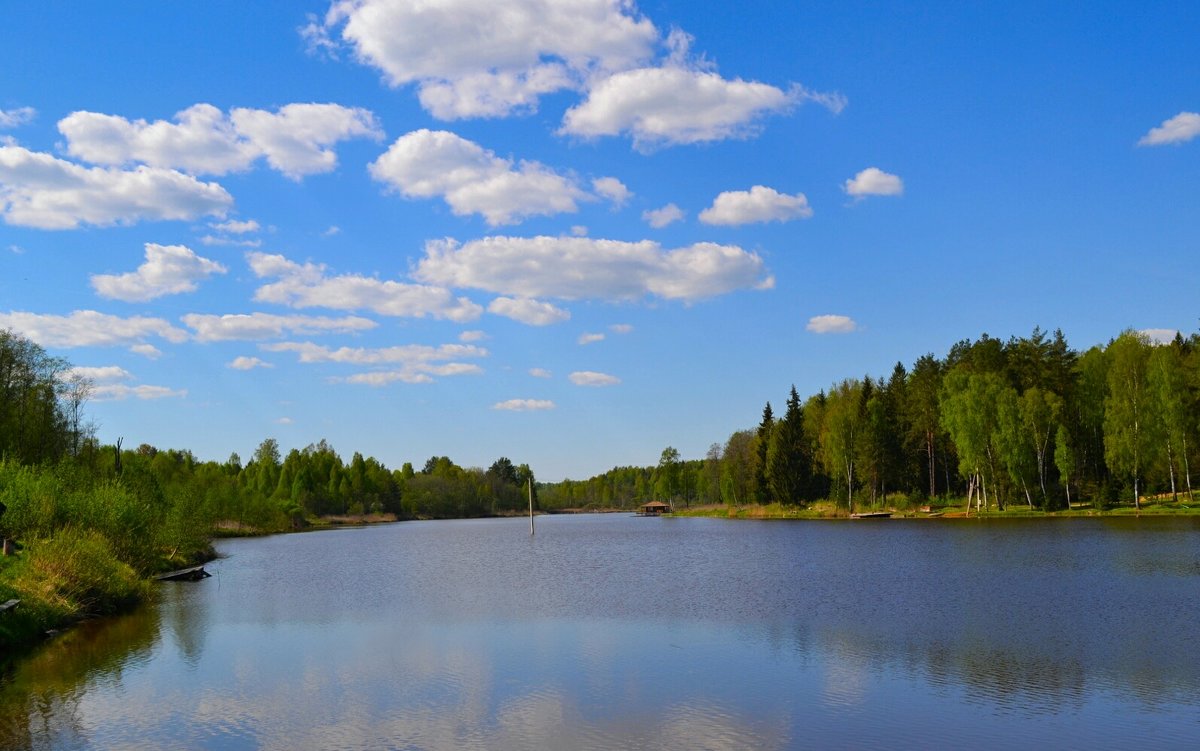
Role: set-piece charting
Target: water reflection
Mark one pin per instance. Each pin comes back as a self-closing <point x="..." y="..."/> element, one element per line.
<point x="645" y="634"/>
<point x="41" y="699"/>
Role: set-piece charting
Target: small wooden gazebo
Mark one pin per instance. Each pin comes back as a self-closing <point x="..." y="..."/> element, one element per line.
<point x="654" y="508"/>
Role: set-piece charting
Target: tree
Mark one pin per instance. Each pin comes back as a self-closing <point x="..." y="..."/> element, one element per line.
<point x="789" y="465"/>
<point x="1064" y="459"/>
<point x="668" y="480"/>
<point x="922" y="413"/>
<point x="970" y="414"/>
<point x="1040" y="414"/>
<point x="842" y="433"/>
<point x="762" y="490"/>
<point x="1129" y="433"/>
<point x="1174" y="407"/>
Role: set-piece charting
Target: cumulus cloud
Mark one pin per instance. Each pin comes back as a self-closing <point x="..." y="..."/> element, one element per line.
<point x="1179" y="129"/>
<point x="108" y="385"/>
<point x="472" y="336"/>
<point x="874" y="182"/>
<point x="221" y="240"/>
<point x="234" y="227"/>
<point x="168" y="270"/>
<point x="408" y="354"/>
<point x="88" y="328"/>
<point x="481" y="58"/>
<point x="585" y="339"/>
<point x="592" y="378"/>
<point x="257" y="326"/>
<point x="578" y="268"/>
<point x="473" y="180"/>
<point x="411" y="363"/>
<point x="295" y="140"/>
<point x="43" y="191"/>
<point x="621" y="328"/>
<point x="524" y="405"/>
<point x="759" y="204"/>
<point x="148" y="351"/>
<point x="121" y="391"/>
<point x="307" y="285"/>
<point x="540" y="373"/>
<point x="16" y="117"/>
<point x="1160" y="336"/>
<point x="831" y="324"/>
<point x="659" y="218"/>
<point x="612" y="189"/>
<point x="102" y="374"/>
<point x="249" y="363"/>
<point x="673" y="105"/>
<point x="526" y="310"/>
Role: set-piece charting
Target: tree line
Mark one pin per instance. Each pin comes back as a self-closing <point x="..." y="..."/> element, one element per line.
<point x="53" y="471"/>
<point x="1028" y="421"/>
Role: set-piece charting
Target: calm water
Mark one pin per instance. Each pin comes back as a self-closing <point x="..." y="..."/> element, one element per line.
<point x="615" y="632"/>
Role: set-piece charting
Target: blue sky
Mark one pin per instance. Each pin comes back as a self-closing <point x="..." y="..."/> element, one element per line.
<point x="576" y="232"/>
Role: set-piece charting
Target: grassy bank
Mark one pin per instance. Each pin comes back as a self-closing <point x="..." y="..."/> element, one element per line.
<point x="952" y="509"/>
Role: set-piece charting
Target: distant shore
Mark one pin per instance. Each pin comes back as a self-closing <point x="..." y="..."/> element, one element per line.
<point x="827" y="510"/>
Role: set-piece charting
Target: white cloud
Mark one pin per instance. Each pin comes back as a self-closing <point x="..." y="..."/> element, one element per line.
<point x="524" y="405"/>
<point x="579" y="268"/>
<point x="659" y="218"/>
<point x="473" y="180"/>
<point x="578" y="230"/>
<point x="592" y="378"/>
<point x="107" y="385"/>
<point x="1160" y="336"/>
<point x="211" y="240"/>
<point x="472" y="336"/>
<point x="620" y="328"/>
<point x="675" y="105"/>
<point x="168" y="270"/>
<point x="525" y="310"/>
<point x="235" y="227"/>
<point x="40" y="190"/>
<point x="408" y="354"/>
<point x="122" y="391"/>
<point x="88" y="328"/>
<point x="1179" y="129"/>
<point x="149" y="351"/>
<point x="874" y="182"/>
<point x="481" y="58"/>
<point x="831" y="324"/>
<point x="417" y="363"/>
<point x="540" y="373"/>
<point x="248" y="363"/>
<point x="612" y="189"/>
<point x="15" y="117"/>
<point x="759" y="204"/>
<point x="296" y="140"/>
<point x="103" y="374"/>
<point x="256" y="326"/>
<point x="585" y="339"/>
<point x="284" y="421"/>
<point x="333" y="230"/>
<point x="306" y="286"/>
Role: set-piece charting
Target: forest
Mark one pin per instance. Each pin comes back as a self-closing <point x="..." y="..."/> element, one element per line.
<point x="1027" y="421"/>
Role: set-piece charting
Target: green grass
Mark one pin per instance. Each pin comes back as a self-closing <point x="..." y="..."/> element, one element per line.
<point x="72" y="576"/>
<point x="826" y="509"/>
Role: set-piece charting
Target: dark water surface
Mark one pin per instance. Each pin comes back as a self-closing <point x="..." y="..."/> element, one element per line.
<point x="615" y="632"/>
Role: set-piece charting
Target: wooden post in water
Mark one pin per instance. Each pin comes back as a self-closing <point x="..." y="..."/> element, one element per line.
<point x="531" y="506"/>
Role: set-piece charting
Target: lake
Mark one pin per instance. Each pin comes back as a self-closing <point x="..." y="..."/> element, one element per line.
<point x="617" y="632"/>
